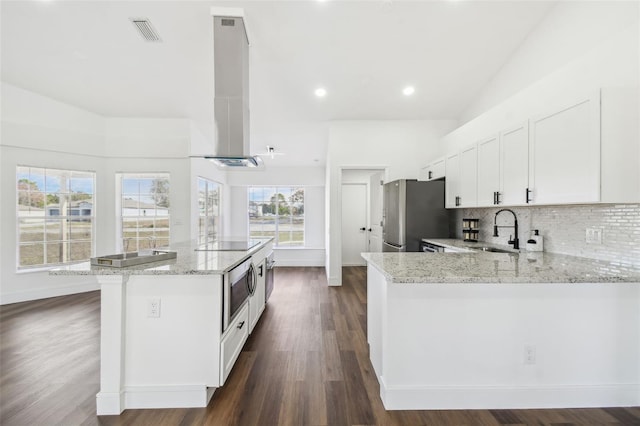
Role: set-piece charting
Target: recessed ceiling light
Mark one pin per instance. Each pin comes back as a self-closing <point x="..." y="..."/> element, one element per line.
<point x="408" y="91"/>
<point x="321" y="92"/>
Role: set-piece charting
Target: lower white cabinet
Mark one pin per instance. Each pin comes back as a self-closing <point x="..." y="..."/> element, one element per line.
<point x="232" y="342"/>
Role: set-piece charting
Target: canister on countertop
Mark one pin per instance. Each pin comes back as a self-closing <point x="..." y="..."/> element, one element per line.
<point x="535" y="243"/>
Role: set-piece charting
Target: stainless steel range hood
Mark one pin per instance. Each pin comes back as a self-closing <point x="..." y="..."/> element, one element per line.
<point x="231" y="102"/>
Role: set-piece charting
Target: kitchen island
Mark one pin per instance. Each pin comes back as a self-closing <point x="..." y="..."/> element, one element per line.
<point x="489" y="330"/>
<point x="162" y="342"/>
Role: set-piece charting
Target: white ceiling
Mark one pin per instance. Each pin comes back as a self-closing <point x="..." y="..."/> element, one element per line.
<point x="87" y="53"/>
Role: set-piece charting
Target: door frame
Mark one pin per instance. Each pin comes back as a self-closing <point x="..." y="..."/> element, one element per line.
<point x="337" y="246"/>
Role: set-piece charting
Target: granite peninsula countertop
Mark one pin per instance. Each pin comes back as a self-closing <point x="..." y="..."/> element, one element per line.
<point x="188" y="262"/>
<point x="489" y="267"/>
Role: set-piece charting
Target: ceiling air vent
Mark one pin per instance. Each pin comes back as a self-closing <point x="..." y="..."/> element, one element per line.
<point x="145" y="29"/>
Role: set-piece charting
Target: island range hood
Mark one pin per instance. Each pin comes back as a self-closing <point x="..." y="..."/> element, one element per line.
<point x="231" y="102"/>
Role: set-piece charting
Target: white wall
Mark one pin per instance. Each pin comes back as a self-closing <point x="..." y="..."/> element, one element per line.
<point x="399" y="147"/>
<point x="570" y="31"/>
<point x="42" y="132"/>
<point x="313" y="179"/>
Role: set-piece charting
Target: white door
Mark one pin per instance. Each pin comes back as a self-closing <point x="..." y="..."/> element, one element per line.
<point x="375" y="211"/>
<point x="354" y="223"/>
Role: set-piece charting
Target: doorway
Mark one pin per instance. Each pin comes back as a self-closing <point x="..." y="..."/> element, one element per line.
<point x="361" y="218"/>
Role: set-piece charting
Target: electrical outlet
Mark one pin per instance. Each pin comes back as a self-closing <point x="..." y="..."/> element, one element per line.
<point x="593" y="236"/>
<point x="529" y="354"/>
<point x="153" y="308"/>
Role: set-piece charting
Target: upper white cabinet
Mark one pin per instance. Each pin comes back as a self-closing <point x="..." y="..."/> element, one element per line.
<point x="468" y="189"/>
<point x="514" y="166"/>
<point x="488" y="171"/>
<point x="564" y="154"/>
<point x="452" y="182"/>
<point x="461" y="178"/>
<point x="433" y="170"/>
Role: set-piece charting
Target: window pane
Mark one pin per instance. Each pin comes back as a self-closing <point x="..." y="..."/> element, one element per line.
<point x="31" y="254"/>
<point x="55" y="229"/>
<point x="58" y="252"/>
<point x="57" y="181"/>
<point x="31" y="230"/>
<point x="80" y="250"/>
<point x="80" y="229"/>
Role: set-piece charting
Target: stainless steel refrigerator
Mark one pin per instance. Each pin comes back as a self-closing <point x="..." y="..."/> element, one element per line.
<point x="413" y="210"/>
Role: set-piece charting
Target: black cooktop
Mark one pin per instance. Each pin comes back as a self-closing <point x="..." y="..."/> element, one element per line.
<point x="225" y="245"/>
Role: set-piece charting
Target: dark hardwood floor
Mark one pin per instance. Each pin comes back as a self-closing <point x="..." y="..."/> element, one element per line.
<point x="305" y="364"/>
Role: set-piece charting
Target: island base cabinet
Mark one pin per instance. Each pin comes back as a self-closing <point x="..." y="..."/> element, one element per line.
<point x="232" y="343"/>
<point x="499" y="346"/>
<point x="167" y="359"/>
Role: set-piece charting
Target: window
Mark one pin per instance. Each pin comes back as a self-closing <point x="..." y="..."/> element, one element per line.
<point x="277" y="212"/>
<point x="209" y="210"/>
<point x="55" y="211"/>
<point x="144" y="210"/>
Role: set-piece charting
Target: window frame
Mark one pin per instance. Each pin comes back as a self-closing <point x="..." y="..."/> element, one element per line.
<point x="65" y="220"/>
<point x="202" y="238"/>
<point x="276" y="237"/>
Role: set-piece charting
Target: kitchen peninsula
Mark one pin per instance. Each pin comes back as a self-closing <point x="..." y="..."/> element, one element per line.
<point x="474" y="330"/>
<point x="162" y="339"/>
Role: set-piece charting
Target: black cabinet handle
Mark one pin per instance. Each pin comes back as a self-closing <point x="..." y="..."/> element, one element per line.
<point x="494" y="198"/>
<point x="458" y="200"/>
<point x="260" y="270"/>
<point x="369" y="229"/>
<point x="430" y="174"/>
<point x="497" y="197"/>
<point x="526" y="195"/>
<point x="240" y="325"/>
<point x="363" y="229"/>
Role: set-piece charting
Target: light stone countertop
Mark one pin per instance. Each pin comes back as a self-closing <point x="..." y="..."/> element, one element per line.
<point x="188" y="262"/>
<point x="488" y="267"/>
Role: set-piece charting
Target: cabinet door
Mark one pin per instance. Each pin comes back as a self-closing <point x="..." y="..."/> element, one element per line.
<point x="468" y="190"/>
<point x="564" y="154"/>
<point x="423" y="174"/>
<point x="437" y="169"/>
<point x="514" y="166"/>
<point x="488" y="171"/>
<point x="452" y="173"/>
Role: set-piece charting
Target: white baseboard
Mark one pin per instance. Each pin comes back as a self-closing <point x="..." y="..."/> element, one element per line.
<point x="186" y="396"/>
<point x="45" y="293"/>
<point x="507" y="397"/>
<point x="109" y="403"/>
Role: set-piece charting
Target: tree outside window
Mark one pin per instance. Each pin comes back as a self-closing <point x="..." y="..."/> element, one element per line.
<point x="277" y="212"/>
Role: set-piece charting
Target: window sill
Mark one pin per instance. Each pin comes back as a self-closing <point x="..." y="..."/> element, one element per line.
<point x="37" y="269"/>
<point x="297" y="248"/>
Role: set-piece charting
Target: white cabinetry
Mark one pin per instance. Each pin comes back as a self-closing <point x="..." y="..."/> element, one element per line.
<point x="514" y="165"/>
<point x="468" y="189"/>
<point x="232" y="342"/>
<point x="452" y="180"/>
<point x="433" y="170"/>
<point x="461" y="178"/>
<point x="488" y="171"/>
<point x="564" y="154"/>
<point x="257" y="300"/>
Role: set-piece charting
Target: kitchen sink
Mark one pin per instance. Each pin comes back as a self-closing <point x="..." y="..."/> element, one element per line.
<point x="122" y="260"/>
<point x="492" y="250"/>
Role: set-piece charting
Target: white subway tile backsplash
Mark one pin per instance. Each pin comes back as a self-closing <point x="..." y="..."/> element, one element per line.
<point x="564" y="229"/>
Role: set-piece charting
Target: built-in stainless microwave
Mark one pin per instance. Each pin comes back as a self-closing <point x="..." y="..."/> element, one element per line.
<point x="238" y="284"/>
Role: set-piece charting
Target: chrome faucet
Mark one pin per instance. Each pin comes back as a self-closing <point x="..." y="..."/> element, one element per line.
<point x="515" y="241"/>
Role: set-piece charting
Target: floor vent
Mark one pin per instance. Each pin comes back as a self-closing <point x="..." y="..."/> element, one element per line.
<point x="145" y="29"/>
